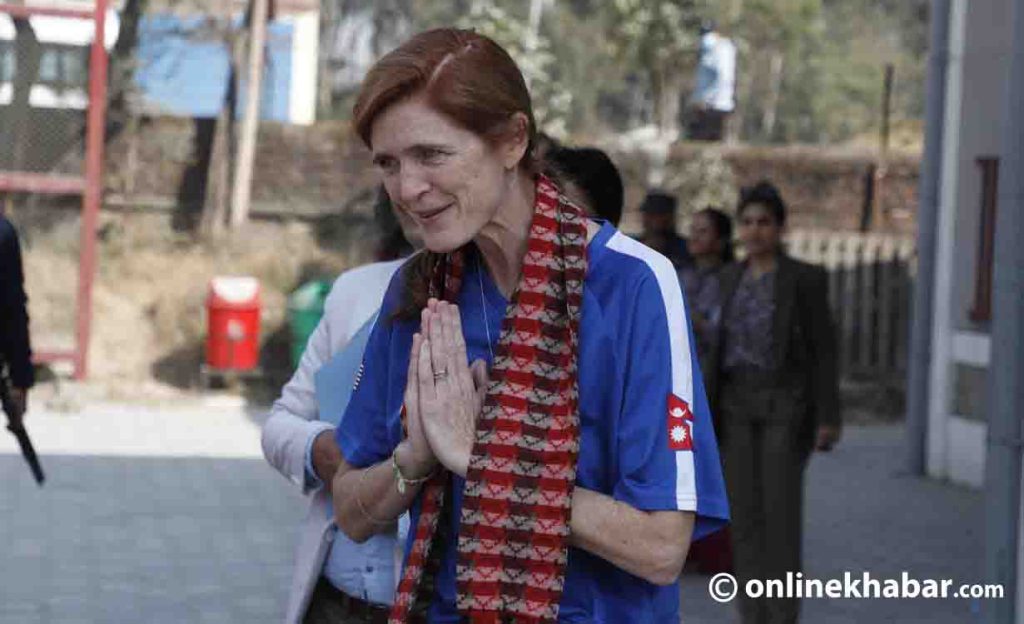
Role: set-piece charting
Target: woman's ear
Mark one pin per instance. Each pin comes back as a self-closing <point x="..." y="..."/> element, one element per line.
<point x="517" y="140"/>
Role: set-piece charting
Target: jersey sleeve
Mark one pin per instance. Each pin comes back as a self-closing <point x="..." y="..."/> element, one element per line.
<point x="364" y="433"/>
<point x="668" y="456"/>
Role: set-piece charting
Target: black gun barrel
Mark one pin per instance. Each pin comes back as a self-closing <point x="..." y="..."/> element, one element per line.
<point x="17" y="428"/>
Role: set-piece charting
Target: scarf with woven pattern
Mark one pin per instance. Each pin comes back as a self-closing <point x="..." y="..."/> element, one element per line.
<point x="512" y="542"/>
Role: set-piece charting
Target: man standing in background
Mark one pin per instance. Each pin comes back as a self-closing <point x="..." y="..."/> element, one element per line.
<point x="658" y="213"/>
<point x="15" y="351"/>
<point x="713" y="98"/>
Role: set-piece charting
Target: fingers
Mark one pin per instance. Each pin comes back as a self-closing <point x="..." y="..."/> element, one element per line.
<point x="425" y="373"/>
<point x="412" y="375"/>
<point x="456" y="346"/>
<point x="459" y="337"/>
<point x="412" y="381"/>
<point x="438" y="358"/>
<point x="445" y="343"/>
<point x="480" y="376"/>
<point x="480" y="380"/>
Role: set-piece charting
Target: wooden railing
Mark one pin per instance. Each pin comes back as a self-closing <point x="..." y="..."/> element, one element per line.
<point x="870" y="282"/>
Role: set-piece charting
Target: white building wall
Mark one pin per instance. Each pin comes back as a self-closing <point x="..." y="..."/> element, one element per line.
<point x="939" y="376"/>
<point x="305" y="45"/>
<point x="988" y="46"/>
<point x="980" y="49"/>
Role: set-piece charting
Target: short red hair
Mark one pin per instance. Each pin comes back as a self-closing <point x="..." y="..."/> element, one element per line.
<point x="464" y="75"/>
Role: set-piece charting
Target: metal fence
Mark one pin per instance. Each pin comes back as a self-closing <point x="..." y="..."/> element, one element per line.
<point x="870" y="282"/>
<point x="53" y="81"/>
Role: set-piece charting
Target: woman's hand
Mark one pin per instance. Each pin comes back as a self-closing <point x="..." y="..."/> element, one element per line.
<point x="451" y="393"/>
<point x="414" y="456"/>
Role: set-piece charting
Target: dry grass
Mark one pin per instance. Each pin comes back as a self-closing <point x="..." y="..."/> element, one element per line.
<point x="151" y="285"/>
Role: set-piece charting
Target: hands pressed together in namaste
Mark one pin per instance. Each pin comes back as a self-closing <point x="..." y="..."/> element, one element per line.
<point x="443" y="395"/>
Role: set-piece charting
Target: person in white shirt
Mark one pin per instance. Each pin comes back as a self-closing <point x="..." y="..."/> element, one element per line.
<point x="713" y="98"/>
<point x="334" y="578"/>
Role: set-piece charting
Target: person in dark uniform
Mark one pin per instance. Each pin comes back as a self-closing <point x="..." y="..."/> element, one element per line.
<point x="773" y="383"/>
<point x="14" y="341"/>
<point x="659" y="229"/>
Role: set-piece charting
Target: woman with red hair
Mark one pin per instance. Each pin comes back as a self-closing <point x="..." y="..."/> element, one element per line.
<point x="529" y="393"/>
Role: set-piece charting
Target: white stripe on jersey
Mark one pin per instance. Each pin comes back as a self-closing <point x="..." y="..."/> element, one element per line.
<point x="679" y="348"/>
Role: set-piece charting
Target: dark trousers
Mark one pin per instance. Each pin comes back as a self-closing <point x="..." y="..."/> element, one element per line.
<point x="706" y="125"/>
<point x="764" y="456"/>
<point x="329" y="605"/>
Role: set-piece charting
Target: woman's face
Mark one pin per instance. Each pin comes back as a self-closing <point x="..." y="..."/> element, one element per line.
<point x="760" y="232"/>
<point x="445" y="178"/>
<point x="704" y="240"/>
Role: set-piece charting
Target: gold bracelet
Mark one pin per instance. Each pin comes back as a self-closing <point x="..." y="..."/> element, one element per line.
<point x="400" y="481"/>
<point x="359" y="502"/>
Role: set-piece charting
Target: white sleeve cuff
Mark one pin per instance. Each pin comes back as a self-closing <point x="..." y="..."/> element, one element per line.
<point x="312" y="481"/>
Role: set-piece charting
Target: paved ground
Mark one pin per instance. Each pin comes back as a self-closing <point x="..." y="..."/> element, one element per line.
<point x="865" y="515"/>
<point x="171" y="516"/>
<point x="147" y="517"/>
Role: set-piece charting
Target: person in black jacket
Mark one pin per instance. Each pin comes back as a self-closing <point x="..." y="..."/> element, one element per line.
<point x="658" y="211"/>
<point x="14" y="340"/>
<point x="773" y="385"/>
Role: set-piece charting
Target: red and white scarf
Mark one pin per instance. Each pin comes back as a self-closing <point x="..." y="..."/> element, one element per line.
<point x="512" y="542"/>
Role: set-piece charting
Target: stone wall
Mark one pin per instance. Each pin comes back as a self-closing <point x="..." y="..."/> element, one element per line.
<point x="324" y="169"/>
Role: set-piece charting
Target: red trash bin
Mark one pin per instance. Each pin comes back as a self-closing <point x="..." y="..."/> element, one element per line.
<point x="233" y="324"/>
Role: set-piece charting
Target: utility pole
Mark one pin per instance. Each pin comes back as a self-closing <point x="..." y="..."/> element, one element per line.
<point x="872" y="211"/>
<point x="537" y="8"/>
<point x="878" y="210"/>
<point x="241" y="190"/>
<point x="214" y="218"/>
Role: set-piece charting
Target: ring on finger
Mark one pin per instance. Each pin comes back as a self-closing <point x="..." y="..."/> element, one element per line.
<point x="441" y="374"/>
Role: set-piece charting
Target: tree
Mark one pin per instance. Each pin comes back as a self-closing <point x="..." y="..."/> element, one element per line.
<point x="26" y="60"/>
<point x="353" y="34"/>
<point x="123" y="61"/>
<point x="213" y="219"/>
<point x="660" y="38"/>
<point x="777" y="41"/>
<point x="530" y="47"/>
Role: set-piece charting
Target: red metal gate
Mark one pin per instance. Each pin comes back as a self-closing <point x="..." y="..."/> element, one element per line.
<point x="88" y="184"/>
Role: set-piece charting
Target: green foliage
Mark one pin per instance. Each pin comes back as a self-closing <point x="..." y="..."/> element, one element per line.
<point x="596" y="66"/>
<point x="660" y="38"/>
<point x="653" y="33"/>
<point x="833" y="54"/>
<point x="532" y="51"/>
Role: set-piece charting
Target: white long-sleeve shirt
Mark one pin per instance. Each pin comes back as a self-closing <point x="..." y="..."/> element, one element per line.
<point x="368" y="570"/>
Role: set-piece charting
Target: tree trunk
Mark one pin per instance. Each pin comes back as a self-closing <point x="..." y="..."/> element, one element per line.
<point x="218" y="187"/>
<point x="122" y="58"/>
<point x="771" y="105"/>
<point x="324" y="76"/>
<point x="27" y="54"/>
<point x="241" y="188"/>
<point x="738" y="127"/>
<point x="666" y="92"/>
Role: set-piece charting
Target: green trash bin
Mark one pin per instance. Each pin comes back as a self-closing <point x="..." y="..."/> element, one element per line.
<point x="305" y="307"/>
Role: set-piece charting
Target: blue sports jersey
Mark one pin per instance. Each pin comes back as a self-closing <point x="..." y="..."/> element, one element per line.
<point x="646" y="433"/>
